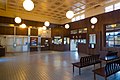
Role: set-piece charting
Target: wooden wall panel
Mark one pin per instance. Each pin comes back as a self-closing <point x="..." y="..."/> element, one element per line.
<point x="34" y="32"/>
<point x="9" y="30"/>
<point x="59" y="31"/>
<point x="2" y="30"/>
<point x="9" y="20"/>
<point x="106" y="18"/>
<point x="6" y="30"/>
<point x="22" y="31"/>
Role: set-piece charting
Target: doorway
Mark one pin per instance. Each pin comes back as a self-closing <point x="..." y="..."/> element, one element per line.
<point x="73" y="45"/>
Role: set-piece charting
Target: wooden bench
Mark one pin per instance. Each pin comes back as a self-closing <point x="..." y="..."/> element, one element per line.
<point x="87" y="61"/>
<point x="109" y="69"/>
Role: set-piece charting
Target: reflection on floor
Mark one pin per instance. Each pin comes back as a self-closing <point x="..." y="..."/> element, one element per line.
<point x="48" y="65"/>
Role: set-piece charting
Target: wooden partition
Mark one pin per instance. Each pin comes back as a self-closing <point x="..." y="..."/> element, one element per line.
<point x="6" y="30"/>
<point x="62" y="33"/>
<point x="106" y="18"/>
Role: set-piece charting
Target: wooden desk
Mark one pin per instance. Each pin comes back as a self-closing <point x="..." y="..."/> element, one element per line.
<point x="33" y="48"/>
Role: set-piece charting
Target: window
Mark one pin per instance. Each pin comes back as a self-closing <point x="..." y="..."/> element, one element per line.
<point x="83" y="16"/>
<point x="73" y="19"/>
<point x="77" y="18"/>
<point x="80" y="17"/>
<point x="112" y="7"/>
<point x="73" y="31"/>
<point x="84" y="30"/>
<point x="109" y="8"/>
<point x="113" y="35"/>
<point x="117" y="6"/>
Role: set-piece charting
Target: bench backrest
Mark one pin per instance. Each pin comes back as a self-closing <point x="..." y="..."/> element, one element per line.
<point x="89" y="59"/>
<point x="111" y="53"/>
<point x="112" y="67"/>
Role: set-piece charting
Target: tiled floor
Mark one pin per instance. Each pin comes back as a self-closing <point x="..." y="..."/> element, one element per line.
<point x="48" y="65"/>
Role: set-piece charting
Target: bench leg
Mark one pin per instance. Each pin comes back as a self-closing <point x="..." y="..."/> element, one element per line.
<point x="94" y="66"/>
<point x="105" y="78"/>
<point x="73" y="69"/>
<point x="94" y="76"/>
<point x="79" y="71"/>
<point x="100" y="65"/>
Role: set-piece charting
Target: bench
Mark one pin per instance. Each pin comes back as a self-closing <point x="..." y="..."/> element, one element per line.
<point x="109" y="69"/>
<point x="87" y="61"/>
<point x="112" y="53"/>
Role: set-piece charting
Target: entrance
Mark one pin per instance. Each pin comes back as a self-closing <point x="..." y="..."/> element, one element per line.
<point x="73" y="45"/>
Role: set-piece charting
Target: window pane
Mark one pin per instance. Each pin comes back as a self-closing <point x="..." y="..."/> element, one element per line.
<point x="73" y="19"/>
<point x="77" y="18"/>
<point x="111" y="33"/>
<point x="117" y="33"/>
<point x="117" y="6"/>
<point x="83" y="16"/>
<point x="83" y="40"/>
<point x="109" y="27"/>
<point x="110" y="43"/>
<point x="110" y="38"/>
<point x="109" y="8"/>
<point x="73" y="31"/>
<point x="117" y="44"/>
<point x="80" y="31"/>
<point x="117" y="37"/>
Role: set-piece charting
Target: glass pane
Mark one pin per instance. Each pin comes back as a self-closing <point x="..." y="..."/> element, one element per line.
<point x="73" y="31"/>
<point x="77" y="18"/>
<point x="110" y="43"/>
<point x="82" y="16"/>
<point x="111" y="38"/>
<point x="79" y="40"/>
<point x="117" y="44"/>
<point x="117" y="33"/>
<point x="73" y="20"/>
<point x="68" y="40"/>
<point x="117" y="6"/>
<point x="110" y="27"/>
<point x="109" y="8"/>
<point x="80" y="30"/>
<point x="109" y="33"/>
<point x="117" y="37"/>
<point x="117" y="26"/>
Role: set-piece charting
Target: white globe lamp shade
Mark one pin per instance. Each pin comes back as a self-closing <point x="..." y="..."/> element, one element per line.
<point x="47" y="23"/>
<point x="67" y="26"/>
<point x="28" y="5"/>
<point x="69" y="14"/>
<point x="23" y="26"/>
<point x="93" y="20"/>
<point x="18" y="20"/>
<point x="44" y="28"/>
<point x="92" y="26"/>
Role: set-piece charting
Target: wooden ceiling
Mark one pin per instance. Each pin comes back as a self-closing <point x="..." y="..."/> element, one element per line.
<point x="50" y="10"/>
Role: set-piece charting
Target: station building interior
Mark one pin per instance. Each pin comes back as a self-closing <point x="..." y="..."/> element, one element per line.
<point x="59" y="39"/>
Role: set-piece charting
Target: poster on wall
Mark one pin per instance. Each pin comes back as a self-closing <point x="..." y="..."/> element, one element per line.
<point x="33" y="41"/>
<point x="92" y="39"/>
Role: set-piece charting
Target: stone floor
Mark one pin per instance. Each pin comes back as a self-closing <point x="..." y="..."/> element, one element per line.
<point x="48" y="65"/>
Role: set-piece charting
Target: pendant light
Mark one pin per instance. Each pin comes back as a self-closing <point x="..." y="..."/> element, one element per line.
<point x="47" y="23"/>
<point x="93" y="20"/>
<point x="28" y="5"/>
<point x="23" y="25"/>
<point x="17" y="20"/>
<point x="44" y="28"/>
<point x="69" y="14"/>
<point x="67" y="26"/>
